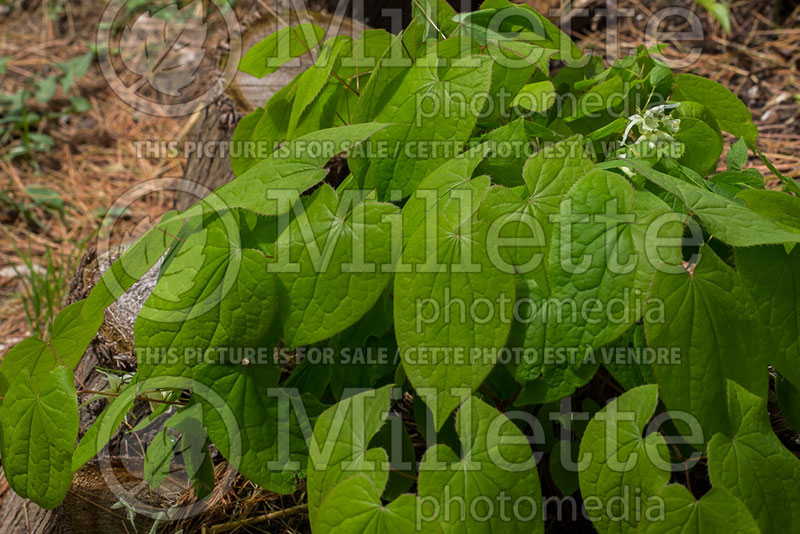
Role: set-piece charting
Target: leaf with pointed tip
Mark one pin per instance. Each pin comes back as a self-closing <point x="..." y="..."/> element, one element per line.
<point x="536" y="97"/>
<point x="715" y="513"/>
<point x="105" y="426"/>
<point x="730" y="183"/>
<point x="706" y="322"/>
<point x="780" y="207"/>
<point x="72" y="333"/>
<point x="191" y="444"/>
<point x="436" y="17"/>
<point x="517" y="232"/>
<point x="242" y="159"/>
<point x="723" y="218"/>
<point x="606" y="280"/>
<point x="720" y="11"/>
<point x="354" y="507"/>
<point x="382" y="82"/>
<point x="442" y="190"/>
<point x="496" y="464"/>
<point x="447" y="190"/>
<point x="135" y="261"/>
<point x="703" y="146"/>
<point x="312" y="81"/>
<point x="451" y="264"/>
<point x="340" y="449"/>
<point x="600" y="99"/>
<point x="772" y="277"/>
<point x="731" y="114"/>
<point x="272" y="186"/>
<point x="600" y="254"/>
<point x="255" y="424"/>
<point x="510" y="149"/>
<point x="522" y="32"/>
<point x="617" y="461"/>
<point x="428" y="131"/>
<point x="158" y="458"/>
<point x="753" y="465"/>
<point x="367" y="51"/>
<point x="262" y="130"/>
<point x="510" y="73"/>
<point x="38" y="429"/>
<point x="212" y="294"/>
<point x="330" y="109"/>
<point x="342" y="255"/>
<point x="550" y="173"/>
<point x="737" y="156"/>
<point x="279" y="48"/>
<point x="622" y="261"/>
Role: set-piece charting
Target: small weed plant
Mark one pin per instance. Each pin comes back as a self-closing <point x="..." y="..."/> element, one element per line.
<point x="23" y="111"/>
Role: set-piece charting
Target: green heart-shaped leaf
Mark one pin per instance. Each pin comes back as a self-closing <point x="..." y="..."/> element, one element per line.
<point x="753" y="465"/>
<point x="617" y="463"/>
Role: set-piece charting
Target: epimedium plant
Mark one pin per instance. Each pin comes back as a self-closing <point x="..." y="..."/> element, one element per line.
<point x="503" y="232"/>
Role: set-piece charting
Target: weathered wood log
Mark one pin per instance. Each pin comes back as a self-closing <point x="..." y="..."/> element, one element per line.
<point x="20" y="516"/>
<point x="88" y="506"/>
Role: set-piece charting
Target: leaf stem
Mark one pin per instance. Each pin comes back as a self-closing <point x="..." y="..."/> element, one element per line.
<point x="280" y="514"/>
<point x="138" y="397"/>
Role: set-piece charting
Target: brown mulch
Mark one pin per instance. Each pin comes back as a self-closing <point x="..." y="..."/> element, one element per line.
<point x="94" y="158"/>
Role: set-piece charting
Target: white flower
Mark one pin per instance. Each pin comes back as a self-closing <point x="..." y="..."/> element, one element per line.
<point x="654" y="126"/>
<point x="673" y="125"/>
